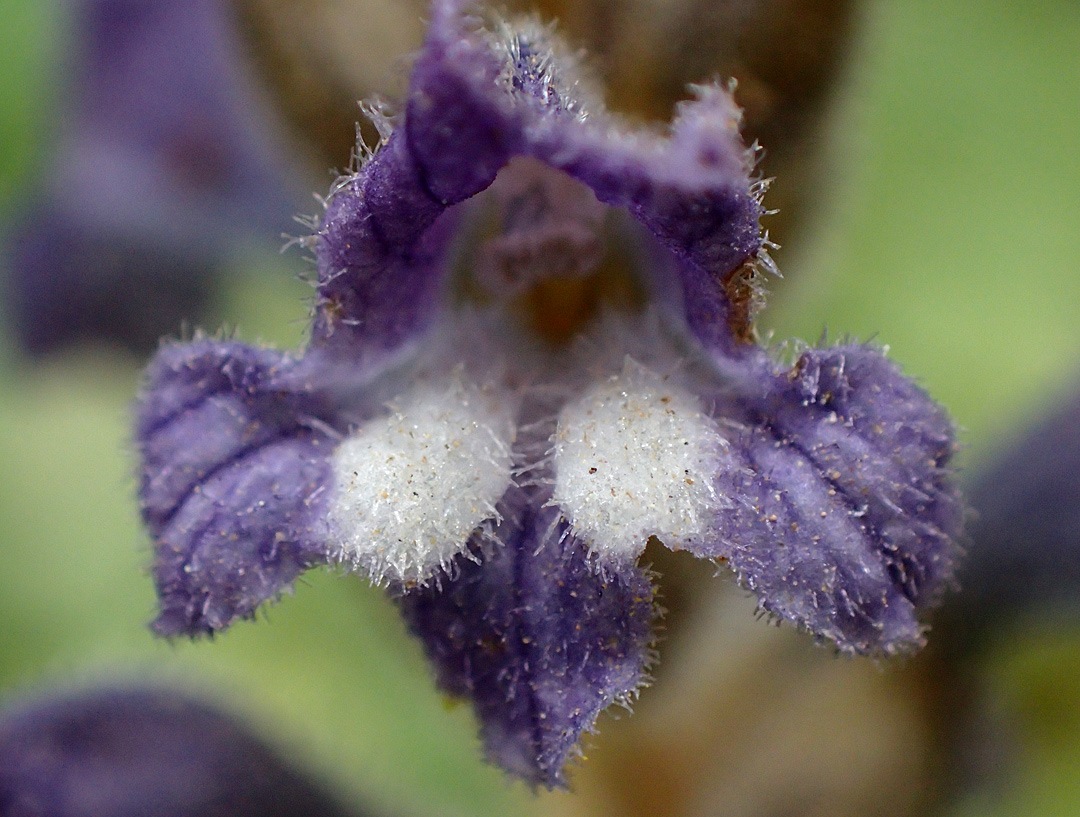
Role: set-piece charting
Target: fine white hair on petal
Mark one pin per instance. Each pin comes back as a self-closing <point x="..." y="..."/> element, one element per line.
<point x="635" y="457"/>
<point x="411" y="486"/>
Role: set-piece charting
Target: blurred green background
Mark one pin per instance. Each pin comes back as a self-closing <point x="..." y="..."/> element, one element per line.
<point x="951" y="233"/>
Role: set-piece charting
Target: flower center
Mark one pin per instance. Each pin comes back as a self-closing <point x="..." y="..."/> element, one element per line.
<point x="413" y="485"/>
<point x="548" y="369"/>
<point x="635" y="457"/>
<point x="539" y="246"/>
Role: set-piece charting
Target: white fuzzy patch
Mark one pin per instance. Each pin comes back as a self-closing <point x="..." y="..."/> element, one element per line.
<point x="635" y="457"/>
<point x="412" y="486"/>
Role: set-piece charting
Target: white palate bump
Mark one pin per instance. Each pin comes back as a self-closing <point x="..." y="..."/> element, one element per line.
<point x="412" y="486"/>
<point x="635" y="456"/>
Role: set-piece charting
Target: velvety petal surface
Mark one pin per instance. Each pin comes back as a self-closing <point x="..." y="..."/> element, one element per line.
<point x="843" y="516"/>
<point x="233" y="482"/>
<point x="474" y="103"/>
<point x="535" y="637"/>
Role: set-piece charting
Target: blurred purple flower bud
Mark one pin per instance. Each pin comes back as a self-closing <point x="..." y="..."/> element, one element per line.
<point x="1025" y="533"/>
<point x="508" y="393"/>
<point x="133" y="751"/>
<point x="164" y="159"/>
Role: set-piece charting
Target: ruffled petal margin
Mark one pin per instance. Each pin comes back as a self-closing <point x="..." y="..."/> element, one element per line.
<point x="233" y="482"/>
<point x="474" y="103"/>
<point x="843" y="517"/>
<point x="537" y="638"/>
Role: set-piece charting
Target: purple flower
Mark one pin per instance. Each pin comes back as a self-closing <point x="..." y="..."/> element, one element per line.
<point x="128" y="751"/>
<point x="1024" y="539"/>
<point x="532" y="352"/>
<point x="162" y="160"/>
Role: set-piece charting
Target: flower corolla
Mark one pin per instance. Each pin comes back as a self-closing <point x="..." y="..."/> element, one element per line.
<point x="532" y="353"/>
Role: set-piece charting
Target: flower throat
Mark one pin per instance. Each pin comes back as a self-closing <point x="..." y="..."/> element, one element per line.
<point x="543" y="248"/>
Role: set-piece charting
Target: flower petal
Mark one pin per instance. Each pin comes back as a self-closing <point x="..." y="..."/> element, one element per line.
<point x="473" y="105"/>
<point x="844" y="518"/>
<point x="886" y="448"/>
<point x="232" y="485"/>
<point x="536" y="637"/>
